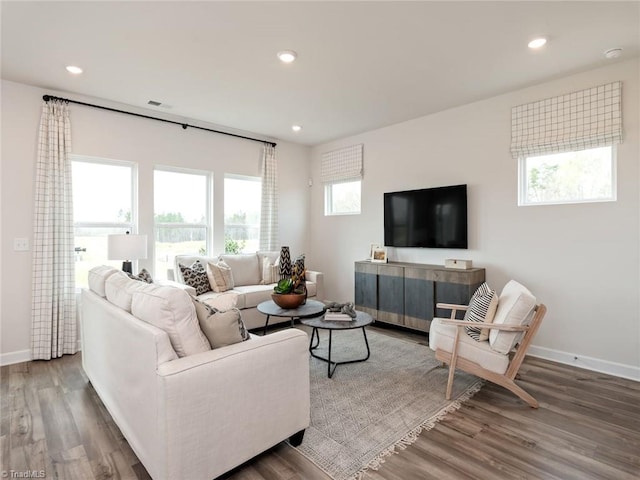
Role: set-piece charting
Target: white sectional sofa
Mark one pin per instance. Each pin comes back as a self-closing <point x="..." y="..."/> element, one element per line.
<point x="249" y="290"/>
<point x="188" y="412"/>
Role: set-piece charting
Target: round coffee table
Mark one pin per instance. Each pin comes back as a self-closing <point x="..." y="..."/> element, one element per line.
<point x="311" y="308"/>
<point x="361" y="321"/>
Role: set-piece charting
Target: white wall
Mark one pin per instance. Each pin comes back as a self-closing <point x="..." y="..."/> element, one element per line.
<point x="581" y="260"/>
<point x="112" y="135"/>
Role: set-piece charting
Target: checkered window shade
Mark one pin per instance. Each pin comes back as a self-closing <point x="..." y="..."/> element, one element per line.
<point x="342" y="165"/>
<point x="590" y="118"/>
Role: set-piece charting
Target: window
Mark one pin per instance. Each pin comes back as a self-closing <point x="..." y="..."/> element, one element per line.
<point x="341" y="173"/>
<point x="569" y="177"/>
<point x="242" y="200"/>
<point x="342" y="198"/>
<point x="103" y="204"/>
<point x="182" y="213"/>
<point x="565" y="146"/>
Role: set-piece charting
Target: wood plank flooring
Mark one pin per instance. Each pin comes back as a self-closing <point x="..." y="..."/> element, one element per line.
<point x="587" y="427"/>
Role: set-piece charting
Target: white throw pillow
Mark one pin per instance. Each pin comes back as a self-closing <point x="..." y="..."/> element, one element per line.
<point x="515" y="307"/>
<point x="482" y="308"/>
<point x="220" y="276"/>
<point x="119" y="289"/>
<point x="171" y="310"/>
<point x="270" y="272"/>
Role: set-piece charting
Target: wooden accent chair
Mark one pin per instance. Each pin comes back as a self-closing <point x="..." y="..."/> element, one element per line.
<point x="497" y="359"/>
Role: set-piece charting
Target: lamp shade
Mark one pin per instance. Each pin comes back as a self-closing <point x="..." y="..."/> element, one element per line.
<point x="127" y="247"/>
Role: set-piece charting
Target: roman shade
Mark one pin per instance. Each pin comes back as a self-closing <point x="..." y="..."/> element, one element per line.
<point x="342" y="165"/>
<point x="589" y="118"/>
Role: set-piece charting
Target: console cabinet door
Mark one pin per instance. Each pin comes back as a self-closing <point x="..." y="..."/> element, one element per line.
<point x="391" y="294"/>
<point x="418" y="298"/>
<point x="366" y="288"/>
<point x="456" y="293"/>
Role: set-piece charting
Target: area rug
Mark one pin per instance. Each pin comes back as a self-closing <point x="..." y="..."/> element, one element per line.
<point x="370" y="409"/>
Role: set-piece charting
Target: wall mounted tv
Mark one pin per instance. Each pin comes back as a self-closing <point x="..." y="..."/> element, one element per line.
<point x="428" y="218"/>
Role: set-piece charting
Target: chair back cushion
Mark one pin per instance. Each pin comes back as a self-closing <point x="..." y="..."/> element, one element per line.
<point x="515" y="307"/>
<point x="245" y="268"/>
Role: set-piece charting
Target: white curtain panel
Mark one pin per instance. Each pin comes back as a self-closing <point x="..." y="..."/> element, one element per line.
<point x="53" y="316"/>
<point x="269" y="212"/>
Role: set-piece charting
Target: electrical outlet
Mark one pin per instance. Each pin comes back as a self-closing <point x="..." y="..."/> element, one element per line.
<point x="20" y="244"/>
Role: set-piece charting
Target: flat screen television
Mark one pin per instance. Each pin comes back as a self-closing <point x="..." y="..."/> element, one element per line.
<point x="428" y="218"/>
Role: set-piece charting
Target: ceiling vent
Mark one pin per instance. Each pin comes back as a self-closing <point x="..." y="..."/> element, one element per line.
<point x="154" y="103"/>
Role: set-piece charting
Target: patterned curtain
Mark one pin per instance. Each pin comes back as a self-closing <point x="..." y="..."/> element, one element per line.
<point x="269" y="212"/>
<point x="53" y="315"/>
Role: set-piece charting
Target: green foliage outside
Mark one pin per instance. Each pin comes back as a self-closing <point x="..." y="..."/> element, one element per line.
<point x="233" y="246"/>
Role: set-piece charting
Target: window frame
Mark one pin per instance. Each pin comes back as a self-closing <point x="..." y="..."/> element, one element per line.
<point x="328" y="198"/>
<point x="523" y="182"/>
<point x="131" y="226"/>
<point x="249" y="178"/>
<point x="208" y="207"/>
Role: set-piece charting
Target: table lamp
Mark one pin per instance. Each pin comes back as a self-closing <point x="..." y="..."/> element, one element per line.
<point x="127" y="247"/>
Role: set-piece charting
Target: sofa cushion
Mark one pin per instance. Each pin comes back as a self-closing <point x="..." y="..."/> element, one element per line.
<point x="119" y="289"/>
<point x="220" y="276"/>
<point x="482" y="308"/>
<point x="171" y="310"/>
<point x="97" y="277"/>
<point x="245" y="268"/>
<point x="442" y="337"/>
<point x="196" y="277"/>
<point x="515" y="307"/>
<point x="252" y="295"/>
<point x="221" y="328"/>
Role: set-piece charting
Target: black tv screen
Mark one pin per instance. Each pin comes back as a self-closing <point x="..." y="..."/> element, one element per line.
<point x="428" y="218"/>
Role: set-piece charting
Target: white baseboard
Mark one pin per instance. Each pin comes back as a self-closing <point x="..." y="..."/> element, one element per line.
<point x="15" y="357"/>
<point x="582" y="361"/>
<point x="20" y="356"/>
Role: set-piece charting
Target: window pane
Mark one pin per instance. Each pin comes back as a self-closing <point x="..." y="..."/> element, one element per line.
<point x="91" y="251"/>
<point x="172" y="241"/>
<point x="242" y="201"/>
<point x="586" y="175"/>
<point x="179" y="197"/>
<point x="101" y="193"/>
<point x="342" y="198"/>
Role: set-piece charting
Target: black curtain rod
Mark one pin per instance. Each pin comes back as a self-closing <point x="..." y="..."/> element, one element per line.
<point x="46" y="98"/>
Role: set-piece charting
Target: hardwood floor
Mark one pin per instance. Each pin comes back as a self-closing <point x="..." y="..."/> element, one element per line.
<point x="587" y="427"/>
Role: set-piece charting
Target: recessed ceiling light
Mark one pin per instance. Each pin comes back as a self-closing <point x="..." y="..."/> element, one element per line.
<point x="296" y="128"/>
<point x="74" y="70"/>
<point x="287" y="56"/>
<point x="537" y="42"/>
<point x="613" y="53"/>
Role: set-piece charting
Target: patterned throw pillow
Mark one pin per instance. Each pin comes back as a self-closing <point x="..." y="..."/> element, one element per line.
<point x="143" y="276"/>
<point x="220" y="276"/>
<point x="482" y="308"/>
<point x="196" y="276"/>
<point x="220" y="328"/>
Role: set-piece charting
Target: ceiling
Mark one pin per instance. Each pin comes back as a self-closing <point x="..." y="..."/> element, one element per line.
<point x="360" y="66"/>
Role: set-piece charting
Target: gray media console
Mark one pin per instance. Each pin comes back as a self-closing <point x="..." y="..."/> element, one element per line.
<point x="406" y="293"/>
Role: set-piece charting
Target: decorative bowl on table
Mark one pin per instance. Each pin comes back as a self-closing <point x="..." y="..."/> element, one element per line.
<point x="288" y="300"/>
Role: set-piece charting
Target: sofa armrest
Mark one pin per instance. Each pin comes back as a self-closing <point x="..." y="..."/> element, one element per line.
<point x="170" y="283"/>
<point x="236" y="401"/>
<point x="318" y="278"/>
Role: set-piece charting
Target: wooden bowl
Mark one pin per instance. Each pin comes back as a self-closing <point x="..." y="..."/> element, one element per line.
<point x="288" y="300"/>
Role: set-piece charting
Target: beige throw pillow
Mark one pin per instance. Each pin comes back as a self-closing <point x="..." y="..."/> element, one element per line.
<point x="220" y="328"/>
<point x="220" y="276"/>
<point x="270" y="272"/>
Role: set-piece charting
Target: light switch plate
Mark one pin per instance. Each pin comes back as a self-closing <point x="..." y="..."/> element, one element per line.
<point x="20" y="244"/>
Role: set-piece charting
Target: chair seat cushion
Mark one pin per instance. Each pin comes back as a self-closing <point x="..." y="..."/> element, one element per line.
<point x="442" y="336"/>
